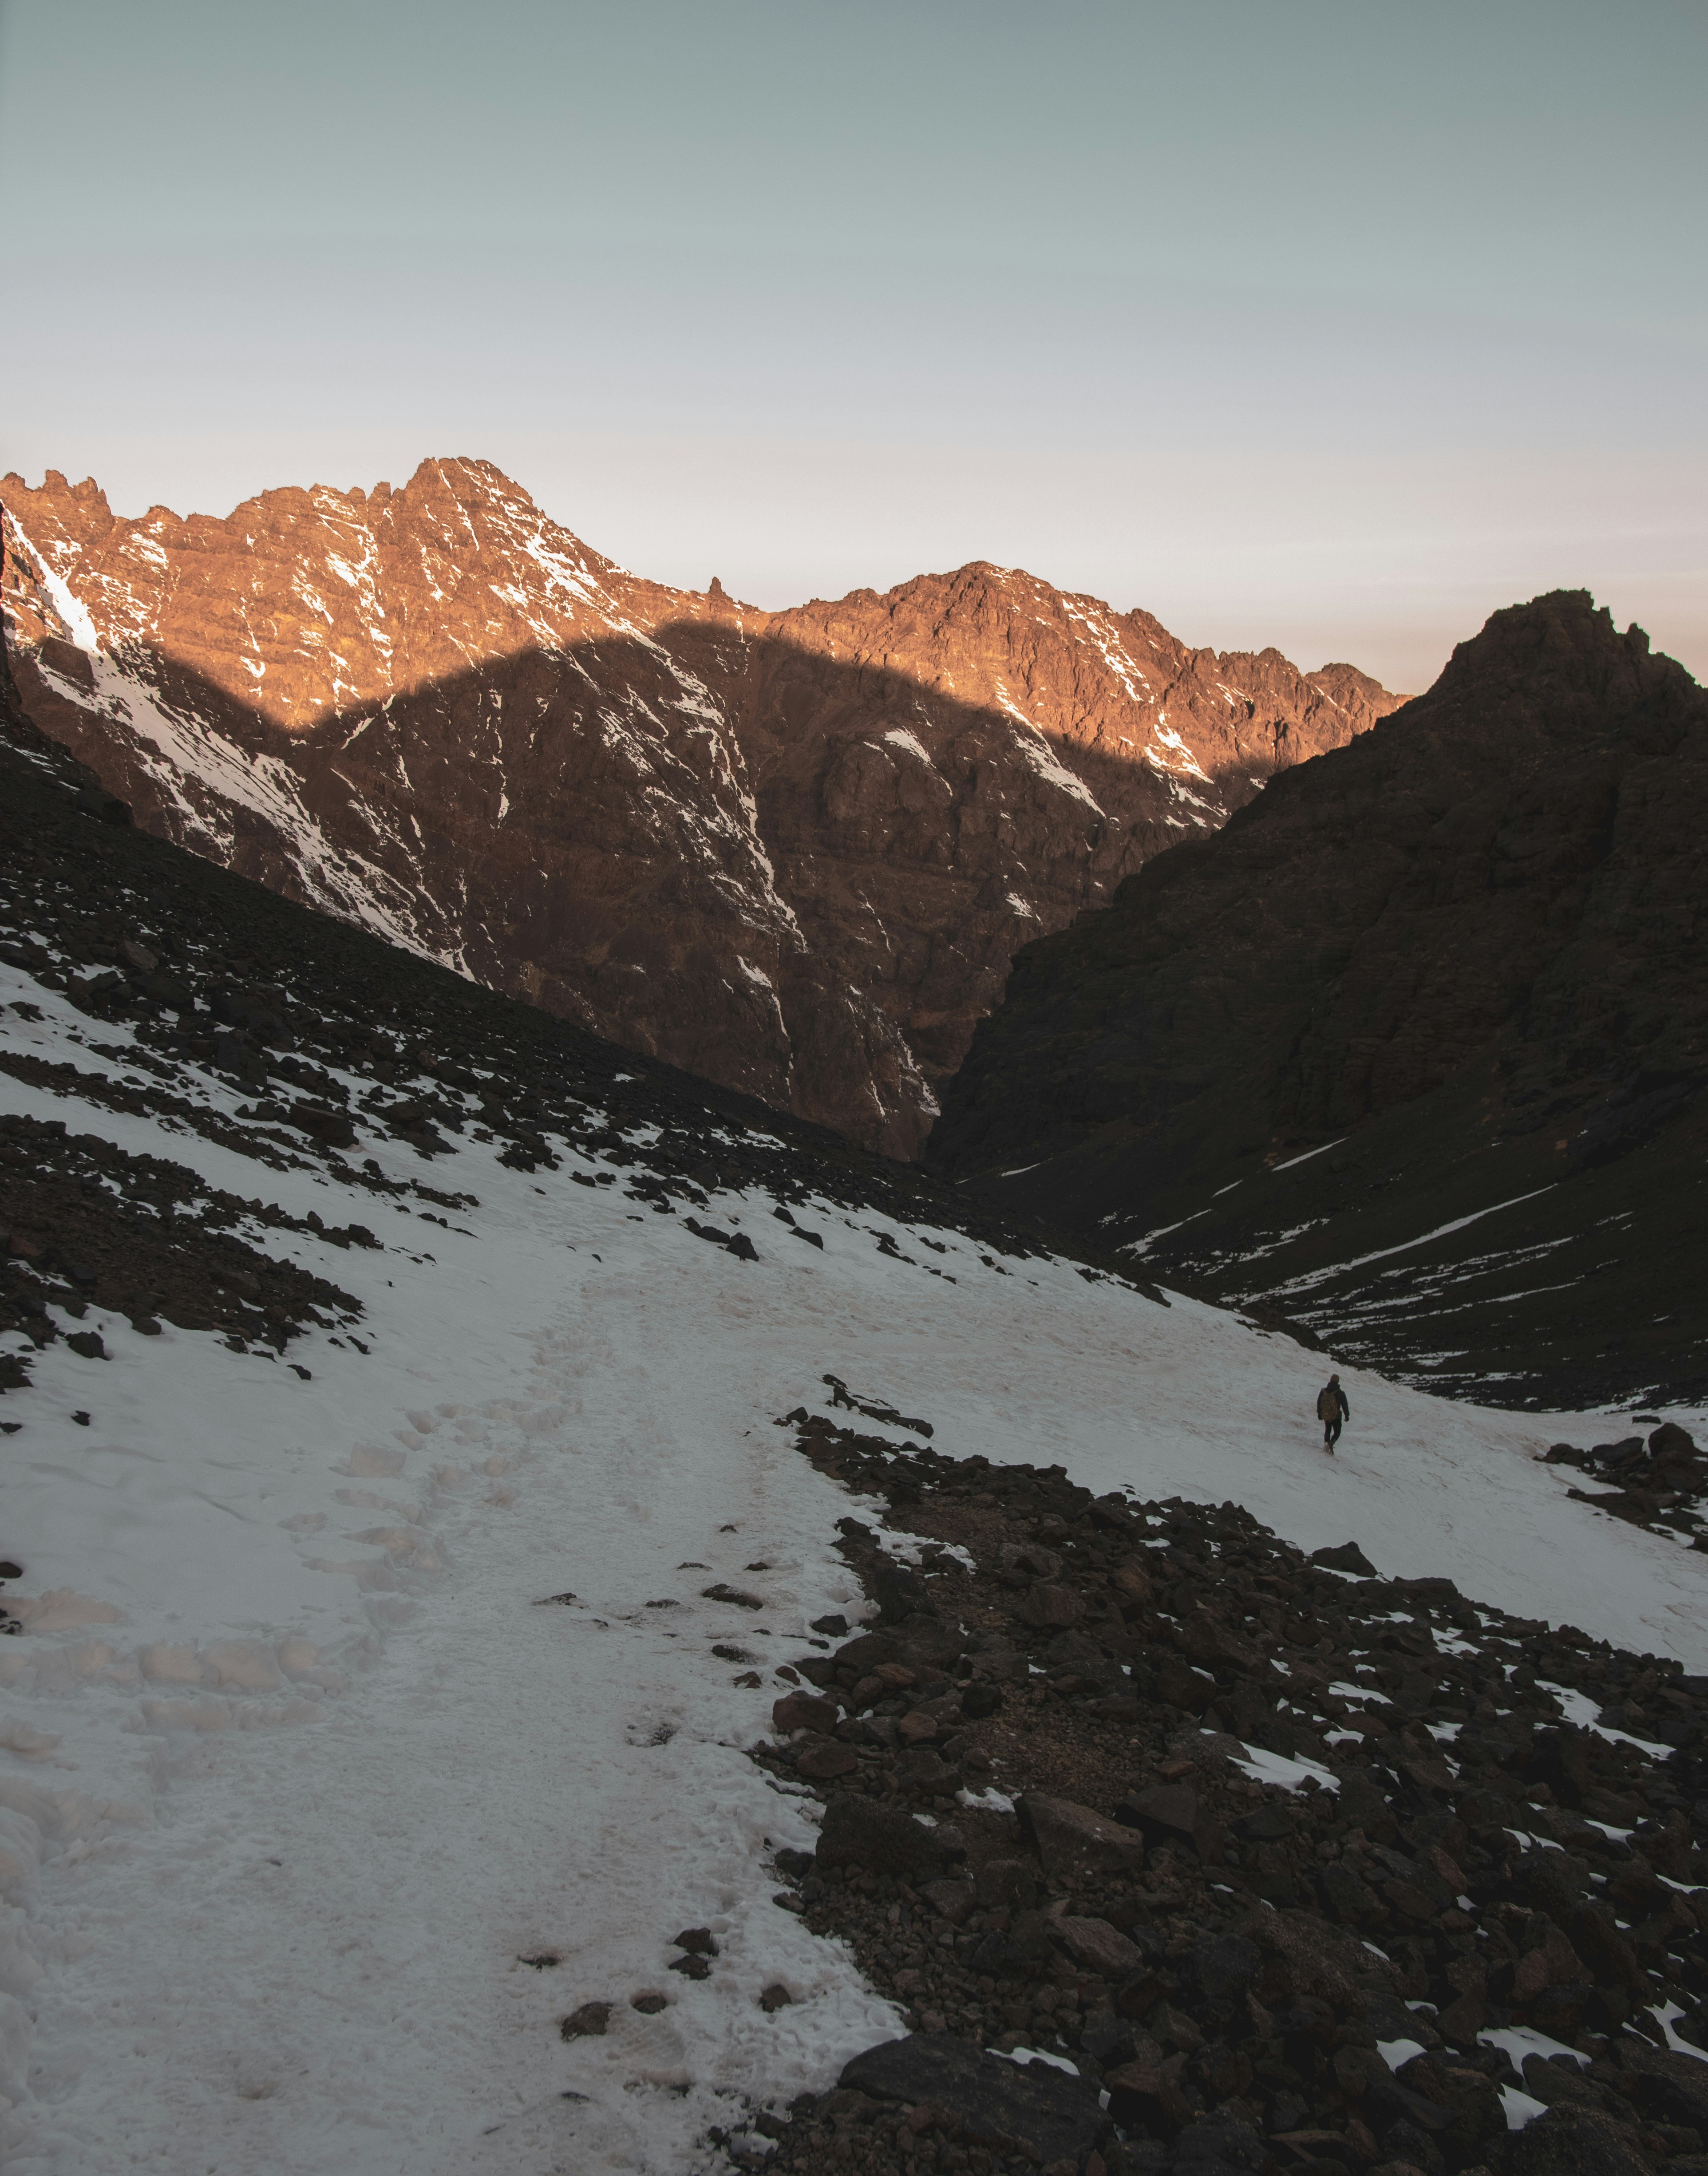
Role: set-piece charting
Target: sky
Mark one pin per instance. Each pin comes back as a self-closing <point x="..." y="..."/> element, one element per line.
<point x="1332" y="326"/>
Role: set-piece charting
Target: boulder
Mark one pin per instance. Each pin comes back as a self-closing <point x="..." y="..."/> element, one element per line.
<point x="1097" y="1947"/>
<point x="805" y="1711"/>
<point x="1206" y="1640"/>
<point x="1164" y="1812"/>
<point x="923" y="1774"/>
<point x="865" y="1651"/>
<point x="1071" y="1840"/>
<point x="1142" y="2096"/>
<point x="1590" y="1931"/>
<point x="1223" y="1966"/>
<point x="1031" y="1560"/>
<point x="820" y="1760"/>
<point x="1346" y="1556"/>
<point x="898" y="1593"/>
<point x="1574" y="2142"/>
<point x="880" y="1839"/>
<point x="1038" y="2110"/>
<point x="1322" y="1959"/>
<point x="1048" y="1608"/>
<point x="1670" y="2087"/>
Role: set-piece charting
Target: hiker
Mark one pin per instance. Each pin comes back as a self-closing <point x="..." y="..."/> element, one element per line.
<point x="1332" y="1409"/>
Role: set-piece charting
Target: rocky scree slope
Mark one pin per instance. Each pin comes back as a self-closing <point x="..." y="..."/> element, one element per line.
<point x="1243" y="1860"/>
<point x="1413" y="1051"/>
<point x="791" y="851"/>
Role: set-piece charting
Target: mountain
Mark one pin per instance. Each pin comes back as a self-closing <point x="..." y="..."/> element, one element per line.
<point x="1414" y="1049"/>
<point x="556" y="1618"/>
<point x="791" y="852"/>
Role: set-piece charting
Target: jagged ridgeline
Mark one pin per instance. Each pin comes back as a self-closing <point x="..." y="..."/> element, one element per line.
<point x="1413" y="1051"/>
<point x="791" y="851"/>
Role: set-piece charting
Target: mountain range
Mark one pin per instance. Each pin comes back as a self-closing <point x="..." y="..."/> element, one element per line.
<point x="791" y="852"/>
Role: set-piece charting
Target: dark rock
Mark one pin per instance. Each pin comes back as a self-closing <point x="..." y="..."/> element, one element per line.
<point x="898" y="1593"/>
<point x="821" y="1761"/>
<point x="1097" y="1947"/>
<point x="1144" y="2096"/>
<point x="1671" y="2087"/>
<point x="1223" y="1966"/>
<point x="1046" y="1607"/>
<point x="1031" y="1560"/>
<point x="857" y="1832"/>
<point x="1038" y="2110"/>
<point x="864" y="1652"/>
<point x="805" y="1711"/>
<point x="1270" y="1824"/>
<point x="1073" y="1842"/>
<point x="1591" y="1932"/>
<point x="1321" y="1959"/>
<point x="1162" y="1811"/>
<point x="1219" y="2142"/>
<point x="1006" y="1883"/>
<point x="1348" y="1557"/>
<point x="1574" y="2142"/>
<point x="922" y="1773"/>
<point x="590" y="2020"/>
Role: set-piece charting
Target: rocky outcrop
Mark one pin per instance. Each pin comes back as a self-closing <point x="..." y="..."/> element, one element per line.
<point x="1414" y="1049"/>
<point x="791" y="851"/>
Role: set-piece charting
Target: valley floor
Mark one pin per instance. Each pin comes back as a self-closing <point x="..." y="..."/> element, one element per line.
<point x="339" y="1700"/>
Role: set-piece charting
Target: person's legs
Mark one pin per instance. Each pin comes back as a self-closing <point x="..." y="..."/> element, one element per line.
<point x="1331" y="1433"/>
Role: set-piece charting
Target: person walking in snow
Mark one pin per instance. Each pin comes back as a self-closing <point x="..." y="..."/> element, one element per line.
<point x="1332" y="1409"/>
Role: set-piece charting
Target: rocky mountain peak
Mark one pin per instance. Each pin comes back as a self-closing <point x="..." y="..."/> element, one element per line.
<point x="1563" y="647"/>
<point x="793" y="850"/>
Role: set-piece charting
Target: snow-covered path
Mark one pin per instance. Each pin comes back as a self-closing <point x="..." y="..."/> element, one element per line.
<point x="310" y="1760"/>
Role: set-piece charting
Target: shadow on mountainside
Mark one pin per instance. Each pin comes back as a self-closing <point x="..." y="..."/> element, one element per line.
<point x="1415" y="1051"/>
<point x="801" y="877"/>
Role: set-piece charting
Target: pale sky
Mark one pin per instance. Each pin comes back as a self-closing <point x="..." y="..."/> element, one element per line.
<point x="1331" y="324"/>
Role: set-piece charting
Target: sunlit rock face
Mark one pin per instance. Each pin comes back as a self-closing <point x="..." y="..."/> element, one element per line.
<point x="793" y="852"/>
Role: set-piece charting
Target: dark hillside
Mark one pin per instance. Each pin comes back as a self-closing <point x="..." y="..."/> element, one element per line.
<point x="1463" y="958"/>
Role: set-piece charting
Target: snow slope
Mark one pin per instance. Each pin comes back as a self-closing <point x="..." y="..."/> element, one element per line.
<point x="339" y="1698"/>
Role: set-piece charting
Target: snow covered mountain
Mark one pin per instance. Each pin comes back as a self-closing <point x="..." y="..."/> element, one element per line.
<point x="791" y="851"/>
<point x="446" y="1458"/>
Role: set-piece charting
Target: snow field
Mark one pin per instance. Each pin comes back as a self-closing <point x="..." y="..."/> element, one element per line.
<point x="298" y="1757"/>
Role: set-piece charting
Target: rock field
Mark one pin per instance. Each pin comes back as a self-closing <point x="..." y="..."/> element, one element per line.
<point x="1184" y="1852"/>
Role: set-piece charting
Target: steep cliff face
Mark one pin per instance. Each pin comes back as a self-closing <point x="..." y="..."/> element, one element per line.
<point x="1415" y="1049"/>
<point x="791" y="852"/>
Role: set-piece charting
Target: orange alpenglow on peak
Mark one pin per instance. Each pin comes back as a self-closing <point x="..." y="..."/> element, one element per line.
<point x="793" y="852"/>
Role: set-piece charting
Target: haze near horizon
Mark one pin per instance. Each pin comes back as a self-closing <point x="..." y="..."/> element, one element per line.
<point x="1327" y="327"/>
